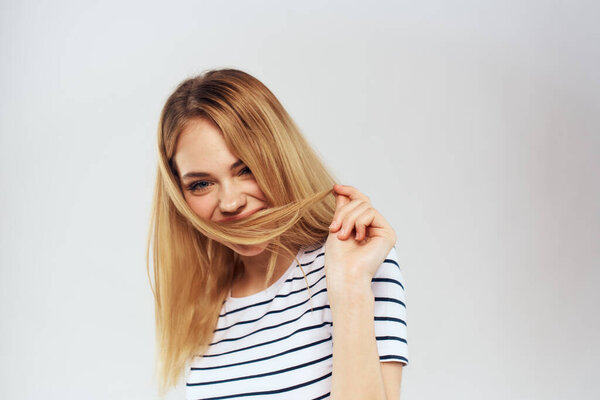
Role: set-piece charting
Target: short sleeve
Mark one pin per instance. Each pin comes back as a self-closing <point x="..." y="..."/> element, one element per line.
<point x="390" y="310"/>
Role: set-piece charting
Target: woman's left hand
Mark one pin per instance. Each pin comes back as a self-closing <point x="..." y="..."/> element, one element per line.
<point x="359" y="239"/>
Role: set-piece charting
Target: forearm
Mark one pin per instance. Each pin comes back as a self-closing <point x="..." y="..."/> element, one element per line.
<point x="356" y="366"/>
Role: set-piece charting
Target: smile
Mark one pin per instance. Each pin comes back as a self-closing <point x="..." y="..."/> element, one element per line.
<point x="240" y="216"/>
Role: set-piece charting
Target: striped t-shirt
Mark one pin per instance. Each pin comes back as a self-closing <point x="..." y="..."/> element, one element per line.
<point x="273" y="345"/>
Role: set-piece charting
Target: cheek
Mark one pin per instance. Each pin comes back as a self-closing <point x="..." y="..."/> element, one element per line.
<point x="256" y="192"/>
<point x="203" y="206"/>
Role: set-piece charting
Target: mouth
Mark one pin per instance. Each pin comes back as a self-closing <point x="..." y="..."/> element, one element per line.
<point x="240" y="216"/>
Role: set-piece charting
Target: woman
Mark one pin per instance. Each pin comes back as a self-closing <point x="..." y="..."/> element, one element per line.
<point x="265" y="284"/>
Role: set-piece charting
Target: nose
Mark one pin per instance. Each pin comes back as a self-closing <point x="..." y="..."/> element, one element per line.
<point x="232" y="200"/>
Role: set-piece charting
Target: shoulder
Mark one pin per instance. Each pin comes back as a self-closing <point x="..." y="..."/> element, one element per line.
<point x="312" y="254"/>
<point x="388" y="280"/>
<point x="390" y="267"/>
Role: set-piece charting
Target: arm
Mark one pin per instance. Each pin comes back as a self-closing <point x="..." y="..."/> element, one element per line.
<point x="392" y="378"/>
<point x="357" y="371"/>
<point x="352" y="257"/>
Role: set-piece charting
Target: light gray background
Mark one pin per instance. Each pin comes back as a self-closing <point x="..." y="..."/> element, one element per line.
<point x="472" y="125"/>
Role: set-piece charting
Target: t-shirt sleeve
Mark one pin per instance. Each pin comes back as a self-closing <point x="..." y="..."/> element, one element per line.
<point x="390" y="310"/>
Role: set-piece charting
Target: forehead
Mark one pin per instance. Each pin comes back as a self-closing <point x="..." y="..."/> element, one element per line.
<point x="201" y="146"/>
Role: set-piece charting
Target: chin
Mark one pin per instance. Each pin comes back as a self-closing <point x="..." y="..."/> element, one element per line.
<point x="248" y="250"/>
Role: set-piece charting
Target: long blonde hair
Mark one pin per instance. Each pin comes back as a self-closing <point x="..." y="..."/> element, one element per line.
<point x="193" y="271"/>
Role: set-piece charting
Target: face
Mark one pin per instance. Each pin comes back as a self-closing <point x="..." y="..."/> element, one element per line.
<point x="216" y="184"/>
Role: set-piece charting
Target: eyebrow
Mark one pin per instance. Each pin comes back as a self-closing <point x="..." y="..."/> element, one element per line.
<point x="204" y="174"/>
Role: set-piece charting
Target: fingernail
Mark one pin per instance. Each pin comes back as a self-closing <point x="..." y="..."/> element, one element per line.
<point x="333" y="224"/>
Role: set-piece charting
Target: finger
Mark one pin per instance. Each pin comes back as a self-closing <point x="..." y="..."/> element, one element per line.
<point x="386" y="234"/>
<point x="341" y="212"/>
<point x="340" y="202"/>
<point x="351" y="192"/>
<point x="364" y="220"/>
<point x="350" y="216"/>
<point x="376" y="226"/>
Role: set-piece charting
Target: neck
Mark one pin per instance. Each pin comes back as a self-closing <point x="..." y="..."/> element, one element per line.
<point x="255" y="272"/>
<point x="255" y="267"/>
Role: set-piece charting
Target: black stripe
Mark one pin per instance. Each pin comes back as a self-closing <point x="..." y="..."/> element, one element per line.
<point x="264" y="358"/>
<point x="279" y="371"/>
<point x="245" y="307"/>
<point x="249" y="321"/>
<point x="388" y="280"/>
<point x="313" y="260"/>
<point x="322" y="397"/>
<point x="277" y="325"/>
<point x="307" y="275"/>
<point x="272" y="391"/>
<point x="390" y="300"/>
<point x="391" y="338"/>
<point x="393" y="357"/>
<point x="275" y="340"/>
<point x="390" y="319"/>
<point x="390" y="261"/>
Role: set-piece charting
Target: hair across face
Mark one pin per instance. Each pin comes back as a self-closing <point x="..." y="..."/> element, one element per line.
<point x="257" y="130"/>
<point x="255" y="127"/>
<point x="216" y="184"/>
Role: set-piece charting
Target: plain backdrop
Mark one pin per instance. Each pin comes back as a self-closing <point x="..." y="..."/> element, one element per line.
<point x="473" y="126"/>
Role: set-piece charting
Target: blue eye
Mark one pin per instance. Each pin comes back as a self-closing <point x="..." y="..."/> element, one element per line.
<point x="199" y="186"/>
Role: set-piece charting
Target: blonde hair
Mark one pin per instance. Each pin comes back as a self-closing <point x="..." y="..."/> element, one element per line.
<point x="193" y="271"/>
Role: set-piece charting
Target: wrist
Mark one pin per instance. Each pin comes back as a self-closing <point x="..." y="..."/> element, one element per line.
<point x="347" y="276"/>
<point x="349" y="292"/>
